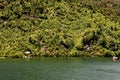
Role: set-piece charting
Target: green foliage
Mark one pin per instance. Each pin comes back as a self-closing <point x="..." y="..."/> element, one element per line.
<point x="59" y="28"/>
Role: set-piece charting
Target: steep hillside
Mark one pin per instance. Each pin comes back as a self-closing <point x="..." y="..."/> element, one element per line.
<point x="58" y="28"/>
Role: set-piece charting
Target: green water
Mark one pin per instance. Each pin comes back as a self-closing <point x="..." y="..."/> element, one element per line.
<point x="59" y="69"/>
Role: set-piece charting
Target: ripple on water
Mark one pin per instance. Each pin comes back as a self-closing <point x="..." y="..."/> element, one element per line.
<point x="59" y="69"/>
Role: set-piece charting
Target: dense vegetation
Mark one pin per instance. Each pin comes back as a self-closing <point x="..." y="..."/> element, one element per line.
<point x="59" y="27"/>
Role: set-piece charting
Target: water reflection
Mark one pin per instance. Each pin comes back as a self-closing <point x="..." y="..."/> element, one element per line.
<point x="59" y="69"/>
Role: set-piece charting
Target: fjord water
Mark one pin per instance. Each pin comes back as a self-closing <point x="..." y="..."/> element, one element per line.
<point x="59" y="69"/>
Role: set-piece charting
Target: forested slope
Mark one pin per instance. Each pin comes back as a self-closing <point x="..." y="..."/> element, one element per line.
<point x="59" y="27"/>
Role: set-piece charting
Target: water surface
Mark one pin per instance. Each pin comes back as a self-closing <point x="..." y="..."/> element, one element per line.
<point x="59" y="69"/>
